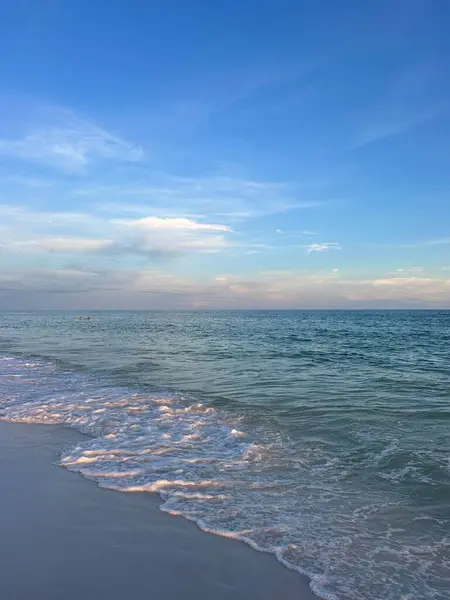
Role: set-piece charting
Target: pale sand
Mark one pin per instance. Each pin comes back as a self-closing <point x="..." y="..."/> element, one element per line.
<point x="62" y="537"/>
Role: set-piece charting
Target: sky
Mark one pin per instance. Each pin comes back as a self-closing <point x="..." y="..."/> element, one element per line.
<point x="224" y="154"/>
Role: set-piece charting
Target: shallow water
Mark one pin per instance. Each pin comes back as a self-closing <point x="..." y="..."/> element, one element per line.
<point x="322" y="437"/>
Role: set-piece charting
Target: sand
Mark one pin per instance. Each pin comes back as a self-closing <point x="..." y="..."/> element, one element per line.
<point x="62" y="537"/>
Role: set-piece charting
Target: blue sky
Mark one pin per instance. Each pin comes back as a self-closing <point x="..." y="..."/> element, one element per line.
<point x="224" y="154"/>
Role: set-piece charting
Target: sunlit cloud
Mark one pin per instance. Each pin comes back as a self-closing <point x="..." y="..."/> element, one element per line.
<point x="174" y="224"/>
<point x="323" y="247"/>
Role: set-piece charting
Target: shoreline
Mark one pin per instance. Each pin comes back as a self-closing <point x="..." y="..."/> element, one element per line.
<point x="68" y="538"/>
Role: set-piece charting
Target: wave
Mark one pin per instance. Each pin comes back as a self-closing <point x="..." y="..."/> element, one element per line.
<point x="237" y="479"/>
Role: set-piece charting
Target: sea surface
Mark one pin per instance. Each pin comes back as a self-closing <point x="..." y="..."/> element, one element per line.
<point x="320" y="437"/>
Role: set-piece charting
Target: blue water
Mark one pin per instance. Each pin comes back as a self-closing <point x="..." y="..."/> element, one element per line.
<point x="322" y="437"/>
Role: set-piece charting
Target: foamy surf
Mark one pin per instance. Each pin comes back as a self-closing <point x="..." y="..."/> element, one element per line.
<point x="233" y="478"/>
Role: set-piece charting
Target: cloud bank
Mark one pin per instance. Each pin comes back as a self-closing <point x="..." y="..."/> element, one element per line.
<point x="91" y="288"/>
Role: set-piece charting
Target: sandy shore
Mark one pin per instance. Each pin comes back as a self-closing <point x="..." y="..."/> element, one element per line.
<point x="65" y="538"/>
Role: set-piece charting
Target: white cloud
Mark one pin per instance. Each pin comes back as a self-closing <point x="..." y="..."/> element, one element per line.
<point x="68" y="142"/>
<point x="154" y="237"/>
<point x="323" y="247"/>
<point x="413" y="270"/>
<point x="305" y="232"/>
<point x="173" y="235"/>
<point x="176" y="224"/>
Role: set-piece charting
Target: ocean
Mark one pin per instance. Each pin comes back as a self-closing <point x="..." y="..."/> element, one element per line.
<point x="322" y="437"/>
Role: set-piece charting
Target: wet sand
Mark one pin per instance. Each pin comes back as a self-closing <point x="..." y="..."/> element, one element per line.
<point x="62" y="537"/>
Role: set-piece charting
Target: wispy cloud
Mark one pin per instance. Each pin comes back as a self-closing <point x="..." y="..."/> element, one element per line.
<point x="410" y="270"/>
<point x="436" y="242"/>
<point x="395" y="126"/>
<point x="64" y="245"/>
<point x="323" y="247"/>
<point x="303" y="232"/>
<point x="66" y="141"/>
<point x="411" y="99"/>
<point x="419" y="244"/>
<point x="21" y="223"/>
<point x="221" y="196"/>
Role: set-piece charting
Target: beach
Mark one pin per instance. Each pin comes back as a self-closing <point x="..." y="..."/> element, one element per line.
<point x="207" y="452"/>
<point x="63" y="537"/>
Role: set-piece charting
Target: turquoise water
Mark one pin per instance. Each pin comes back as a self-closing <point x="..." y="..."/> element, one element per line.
<point x="322" y="437"/>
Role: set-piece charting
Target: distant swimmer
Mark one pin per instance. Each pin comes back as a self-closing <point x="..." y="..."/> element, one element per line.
<point x="88" y="318"/>
<point x="80" y="318"/>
